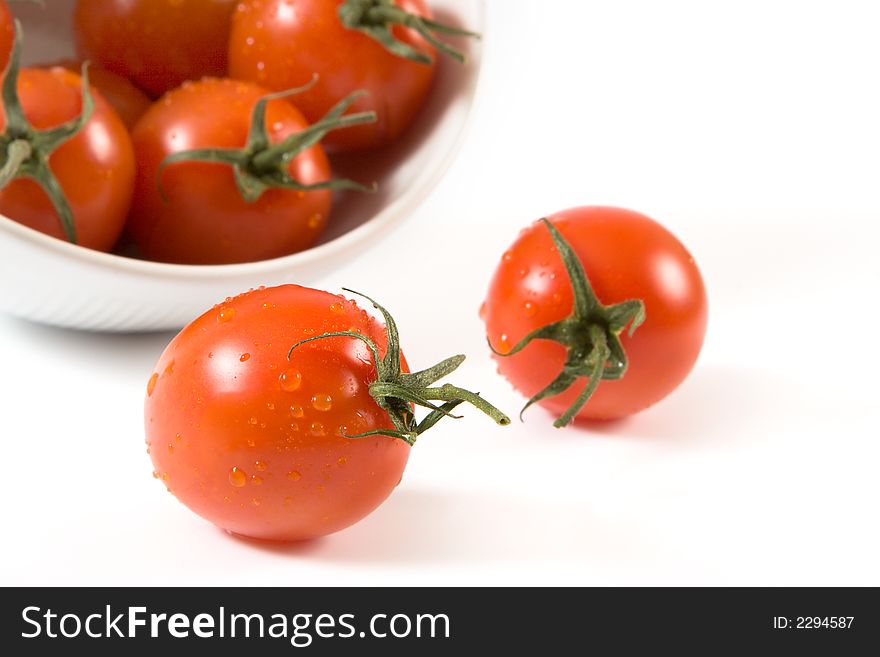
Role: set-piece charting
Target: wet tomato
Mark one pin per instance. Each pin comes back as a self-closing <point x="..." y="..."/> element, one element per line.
<point x="263" y="419"/>
<point x="283" y="43"/>
<point x="634" y="351"/>
<point x="88" y="170"/>
<point x="199" y="215"/>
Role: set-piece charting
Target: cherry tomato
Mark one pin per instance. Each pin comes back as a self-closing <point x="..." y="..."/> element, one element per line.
<point x="95" y="168"/>
<point x="281" y="44"/>
<point x="203" y="218"/>
<point x="129" y="102"/>
<point x="252" y="440"/>
<point x="7" y="34"/>
<point x="286" y="413"/>
<point x="156" y="44"/>
<point x="626" y="256"/>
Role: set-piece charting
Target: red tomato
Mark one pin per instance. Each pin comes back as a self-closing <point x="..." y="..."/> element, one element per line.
<point x="95" y="168"/>
<point x="129" y="102"/>
<point x="156" y="44"/>
<point x="251" y="440"/>
<point x="626" y="256"/>
<point x="7" y="34"/>
<point x="266" y="426"/>
<point x="204" y="219"/>
<point x="281" y="44"/>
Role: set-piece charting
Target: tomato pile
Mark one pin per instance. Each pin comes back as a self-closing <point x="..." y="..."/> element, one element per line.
<point x="202" y="128"/>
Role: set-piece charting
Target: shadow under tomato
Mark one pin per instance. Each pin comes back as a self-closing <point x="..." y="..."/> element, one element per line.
<point x="433" y="527"/>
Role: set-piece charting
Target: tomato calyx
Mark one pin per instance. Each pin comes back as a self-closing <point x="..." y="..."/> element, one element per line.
<point x="25" y="151"/>
<point x="590" y="334"/>
<point x="396" y="392"/>
<point x="375" y="18"/>
<point x="262" y="165"/>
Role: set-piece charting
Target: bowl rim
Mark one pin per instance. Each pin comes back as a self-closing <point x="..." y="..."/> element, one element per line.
<point x="411" y="198"/>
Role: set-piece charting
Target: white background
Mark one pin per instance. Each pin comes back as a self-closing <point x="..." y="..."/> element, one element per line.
<point x="752" y="130"/>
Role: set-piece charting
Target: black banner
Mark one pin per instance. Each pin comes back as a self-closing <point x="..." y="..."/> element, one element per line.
<point x="436" y="621"/>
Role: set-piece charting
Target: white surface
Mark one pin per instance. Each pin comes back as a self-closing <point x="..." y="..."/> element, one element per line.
<point x="751" y="130"/>
<point x="87" y="289"/>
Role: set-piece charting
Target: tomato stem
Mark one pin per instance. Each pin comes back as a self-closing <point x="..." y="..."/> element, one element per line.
<point x="25" y="151"/>
<point x="261" y="165"/>
<point x="375" y="18"/>
<point x="396" y="392"/>
<point x="590" y="334"/>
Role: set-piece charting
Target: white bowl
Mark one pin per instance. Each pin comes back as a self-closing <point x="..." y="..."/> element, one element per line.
<point x="50" y="281"/>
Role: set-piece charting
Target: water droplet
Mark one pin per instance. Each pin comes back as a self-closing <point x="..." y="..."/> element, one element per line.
<point x="340" y="460"/>
<point x="268" y="305"/>
<point x="322" y="402"/>
<point x="256" y="480"/>
<point x="530" y="309"/>
<point x="226" y="314"/>
<point x="244" y="357"/>
<point x="237" y="477"/>
<point x="317" y="428"/>
<point x="256" y="501"/>
<point x="290" y="380"/>
<point x="293" y="475"/>
<point x="507" y="257"/>
<point x="523" y="271"/>
<point x="337" y="307"/>
<point x="557" y="297"/>
<point x="253" y="420"/>
<point x="482" y="312"/>
<point x="315" y="220"/>
<point x="261" y="466"/>
<point x="294" y="426"/>
<point x="504" y="343"/>
<point x="270" y="406"/>
<point x="151" y="384"/>
<point x="170" y="448"/>
<point x="178" y="438"/>
<point x="297" y="411"/>
<point x="251" y="443"/>
<point x="156" y="474"/>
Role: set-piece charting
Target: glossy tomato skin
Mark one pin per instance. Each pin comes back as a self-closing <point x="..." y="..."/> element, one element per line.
<point x="626" y="255"/>
<point x="7" y="34"/>
<point x="251" y="440"/>
<point x="155" y="44"/>
<point x="128" y="100"/>
<point x="281" y="44"/>
<point x="205" y="220"/>
<point x="96" y="168"/>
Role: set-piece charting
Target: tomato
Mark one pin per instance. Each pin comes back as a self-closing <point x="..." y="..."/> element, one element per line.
<point x="155" y="44"/>
<point x="626" y="257"/>
<point x="129" y="102"/>
<point x="283" y="43"/>
<point x="7" y="34"/>
<point x="95" y="168"/>
<point x="203" y="218"/>
<point x="251" y="434"/>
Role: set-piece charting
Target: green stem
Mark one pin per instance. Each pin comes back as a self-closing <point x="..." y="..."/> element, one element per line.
<point x="25" y="151"/>
<point x="261" y="165"/>
<point x="376" y="18"/>
<point x="396" y="392"/>
<point x="18" y="152"/>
